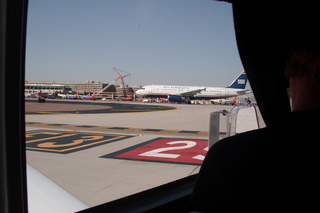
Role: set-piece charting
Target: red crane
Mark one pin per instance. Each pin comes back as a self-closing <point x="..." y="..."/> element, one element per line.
<point x="121" y="77"/>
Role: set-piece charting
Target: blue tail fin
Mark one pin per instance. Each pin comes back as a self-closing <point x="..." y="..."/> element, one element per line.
<point x="240" y="82"/>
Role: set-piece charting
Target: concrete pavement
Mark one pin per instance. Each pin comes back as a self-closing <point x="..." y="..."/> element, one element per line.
<point x="108" y="156"/>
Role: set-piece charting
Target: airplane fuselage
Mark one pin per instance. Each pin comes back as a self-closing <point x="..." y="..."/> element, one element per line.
<point x="206" y="93"/>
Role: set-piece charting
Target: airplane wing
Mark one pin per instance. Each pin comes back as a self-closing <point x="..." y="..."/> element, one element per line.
<point x="191" y="93"/>
<point x="44" y="195"/>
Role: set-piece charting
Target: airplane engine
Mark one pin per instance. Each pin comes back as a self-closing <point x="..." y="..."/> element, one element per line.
<point x="175" y="98"/>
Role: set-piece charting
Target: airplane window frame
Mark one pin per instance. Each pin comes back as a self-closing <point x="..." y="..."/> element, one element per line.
<point x="12" y="132"/>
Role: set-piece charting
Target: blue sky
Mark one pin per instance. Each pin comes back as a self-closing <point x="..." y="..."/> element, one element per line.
<point x="181" y="42"/>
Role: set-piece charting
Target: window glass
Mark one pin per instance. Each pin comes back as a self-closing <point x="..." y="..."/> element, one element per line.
<point x="95" y="135"/>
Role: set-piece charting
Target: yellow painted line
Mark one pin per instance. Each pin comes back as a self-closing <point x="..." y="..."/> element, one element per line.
<point x="83" y="140"/>
<point x="32" y="148"/>
<point x="78" y="147"/>
<point x="43" y="139"/>
<point x="54" y="113"/>
<point x="75" y="147"/>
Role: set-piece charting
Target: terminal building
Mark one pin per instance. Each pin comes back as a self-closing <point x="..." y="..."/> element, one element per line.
<point x="36" y="87"/>
<point x="84" y="88"/>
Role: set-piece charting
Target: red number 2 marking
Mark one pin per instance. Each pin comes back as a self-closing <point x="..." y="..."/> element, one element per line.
<point x="158" y="152"/>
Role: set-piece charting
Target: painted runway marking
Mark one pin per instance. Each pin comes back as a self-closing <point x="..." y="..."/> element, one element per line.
<point x="118" y="128"/>
<point x="168" y="150"/>
<point x="181" y="133"/>
<point x="66" y="142"/>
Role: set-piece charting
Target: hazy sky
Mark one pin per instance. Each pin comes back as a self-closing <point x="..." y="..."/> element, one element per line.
<point x="181" y="42"/>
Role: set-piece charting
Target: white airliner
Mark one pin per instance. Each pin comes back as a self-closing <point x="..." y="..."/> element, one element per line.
<point x="179" y="93"/>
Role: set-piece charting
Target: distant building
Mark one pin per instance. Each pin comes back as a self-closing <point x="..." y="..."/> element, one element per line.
<point x="46" y="87"/>
<point x="87" y="87"/>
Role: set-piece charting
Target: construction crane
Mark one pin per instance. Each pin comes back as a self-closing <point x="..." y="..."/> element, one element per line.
<point x="111" y="83"/>
<point x="121" y="77"/>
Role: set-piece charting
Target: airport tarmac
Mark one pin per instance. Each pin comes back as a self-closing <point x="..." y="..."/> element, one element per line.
<point x="100" y="157"/>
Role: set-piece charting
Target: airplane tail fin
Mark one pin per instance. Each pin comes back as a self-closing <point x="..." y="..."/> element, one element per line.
<point x="235" y="99"/>
<point x="240" y="82"/>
